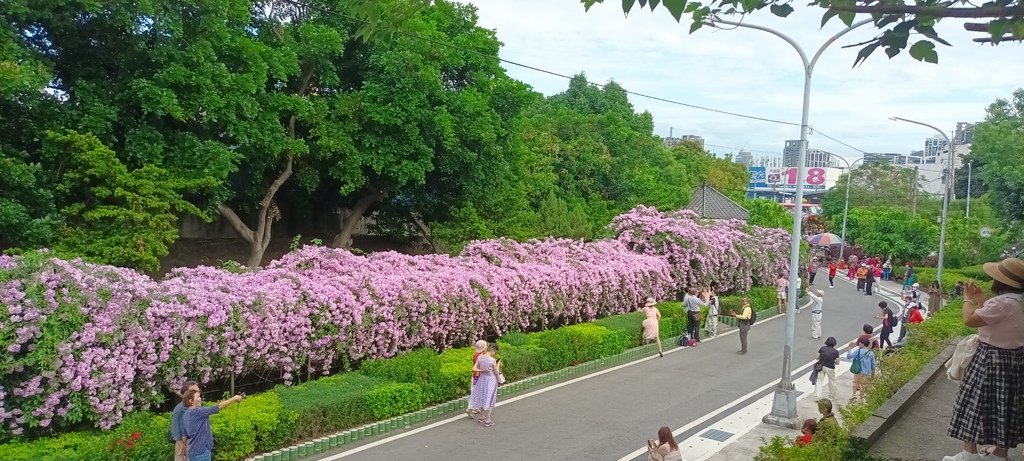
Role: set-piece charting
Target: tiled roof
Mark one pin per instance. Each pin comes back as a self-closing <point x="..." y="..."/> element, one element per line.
<point x="709" y="203"/>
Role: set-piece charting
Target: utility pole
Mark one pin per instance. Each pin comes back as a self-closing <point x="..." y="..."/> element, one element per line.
<point x="913" y="205"/>
<point x="970" y="165"/>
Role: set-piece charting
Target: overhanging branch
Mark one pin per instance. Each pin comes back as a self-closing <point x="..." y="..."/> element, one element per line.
<point x="933" y="11"/>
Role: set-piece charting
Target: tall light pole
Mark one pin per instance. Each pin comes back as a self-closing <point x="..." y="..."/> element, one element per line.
<point x="945" y="195"/>
<point x="970" y="165"/>
<point x="784" y="403"/>
<point x="846" y="203"/>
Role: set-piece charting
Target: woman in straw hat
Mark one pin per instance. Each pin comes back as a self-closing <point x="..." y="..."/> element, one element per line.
<point x="989" y="407"/>
<point x="653" y="318"/>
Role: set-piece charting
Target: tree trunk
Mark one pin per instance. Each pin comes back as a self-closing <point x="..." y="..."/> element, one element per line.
<point x="343" y="239"/>
<point x="268" y="212"/>
<point x="424" y="232"/>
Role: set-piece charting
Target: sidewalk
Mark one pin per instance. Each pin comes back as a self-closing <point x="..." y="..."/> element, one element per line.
<point x="747" y="444"/>
<point x="920" y="434"/>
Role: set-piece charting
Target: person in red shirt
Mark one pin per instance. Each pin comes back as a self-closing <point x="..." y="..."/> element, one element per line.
<point x="807" y="432"/>
<point x="832" y="268"/>
<point x="915" y="314"/>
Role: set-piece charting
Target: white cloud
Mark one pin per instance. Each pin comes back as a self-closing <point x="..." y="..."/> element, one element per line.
<point x="754" y="73"/>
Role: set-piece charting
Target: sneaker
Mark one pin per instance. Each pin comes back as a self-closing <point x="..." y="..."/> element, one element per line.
<point x="990" y="457"/>
<point x="963" y="456"/>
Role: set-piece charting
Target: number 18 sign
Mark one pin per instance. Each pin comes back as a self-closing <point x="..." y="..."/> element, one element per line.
<point x="815" y="176"/>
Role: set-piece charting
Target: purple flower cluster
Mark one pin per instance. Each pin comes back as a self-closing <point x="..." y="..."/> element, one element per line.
<point x="731" y="253"/>
<point x="91" y="343"/>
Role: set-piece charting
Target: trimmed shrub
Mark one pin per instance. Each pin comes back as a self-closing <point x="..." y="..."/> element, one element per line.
<point x="421" y="367"/>
<point x="241" y="429"/>
<point x="520" y="362"/>
<point x="457" y="370"/>
<point x="393" y="399"/>
<point x="575" y="344"/>
<point x="75" y="446"/>
<point x="631" y="324"/>
<point x="327" y="404"/>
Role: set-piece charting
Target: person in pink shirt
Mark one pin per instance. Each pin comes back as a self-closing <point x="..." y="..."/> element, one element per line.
<point x="989" y="407"/>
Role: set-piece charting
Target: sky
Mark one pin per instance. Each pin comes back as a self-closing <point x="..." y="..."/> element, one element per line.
<point x="755" y="73"/>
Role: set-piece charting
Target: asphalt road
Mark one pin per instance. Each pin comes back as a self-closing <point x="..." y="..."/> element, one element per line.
<point x="611" y="414"/>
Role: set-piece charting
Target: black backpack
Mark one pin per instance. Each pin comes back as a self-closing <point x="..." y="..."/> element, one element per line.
<point x="893" y="320"/>
<point x="753" y="316"/>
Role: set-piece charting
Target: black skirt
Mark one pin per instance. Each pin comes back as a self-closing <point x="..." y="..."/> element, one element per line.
<point x="989" y="408"/>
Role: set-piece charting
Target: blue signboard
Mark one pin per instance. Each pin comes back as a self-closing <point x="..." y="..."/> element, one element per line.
<point x="758" y="176"/>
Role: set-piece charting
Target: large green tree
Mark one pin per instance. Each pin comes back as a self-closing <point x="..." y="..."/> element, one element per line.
<point x="998" y="146"/>
<point x="889" y="230"/>
<point x="876" y="184"/>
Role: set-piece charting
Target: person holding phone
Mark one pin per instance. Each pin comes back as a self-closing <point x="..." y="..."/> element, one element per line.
<point x="665" y="448"/>
<point x="485" y="394"/>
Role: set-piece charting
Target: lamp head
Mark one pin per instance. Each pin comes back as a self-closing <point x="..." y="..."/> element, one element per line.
<point x="894" y="118"/>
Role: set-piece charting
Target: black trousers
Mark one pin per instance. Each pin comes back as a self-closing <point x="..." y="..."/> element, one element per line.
<point x="867" y="287"/>
<point x="693" y="325"/>
<point x="884" y="337"/>
<point x="810" y="278"/>
<point x="831" y="280"/>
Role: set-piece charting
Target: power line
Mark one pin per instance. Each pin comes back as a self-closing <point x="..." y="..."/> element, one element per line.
<point x="568" y="77"/>
<point x="546" y="71"/>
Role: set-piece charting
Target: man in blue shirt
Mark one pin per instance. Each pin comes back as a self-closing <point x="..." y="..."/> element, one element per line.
<point x="197" y="425"/>
<point x="177" y="424"/>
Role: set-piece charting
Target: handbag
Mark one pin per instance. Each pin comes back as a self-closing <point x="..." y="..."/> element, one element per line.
<point x="856" y="367"/>
<point x="957" y="365"/>
<point x="501" y="378"/>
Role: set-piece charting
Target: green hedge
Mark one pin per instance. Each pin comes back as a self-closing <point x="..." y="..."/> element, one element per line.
<point x="327" y="405"/>
<point x="926" y="275"/>
<point x="380" y="389"/>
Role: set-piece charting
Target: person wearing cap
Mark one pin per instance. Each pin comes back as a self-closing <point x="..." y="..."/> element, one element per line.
<point x="989" y="406"/>
<point x="478" y="348"/>
<point x="817" y="302"/>
<point x="711" y="323"/>
<point x="652" y="318"/>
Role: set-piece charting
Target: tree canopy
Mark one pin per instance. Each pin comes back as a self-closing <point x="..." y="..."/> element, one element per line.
<point x="119" y="117"/>
<point x="897" y="22"/>
<point x="998" y="146"/>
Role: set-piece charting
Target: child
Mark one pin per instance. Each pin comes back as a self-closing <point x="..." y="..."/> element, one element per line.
<point x="807" y="431"/>
<point x="197" y="425"/>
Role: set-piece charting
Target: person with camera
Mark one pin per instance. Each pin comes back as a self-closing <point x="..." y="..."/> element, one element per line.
<point x="197" y="424"/>
<point x="665" y="448"/>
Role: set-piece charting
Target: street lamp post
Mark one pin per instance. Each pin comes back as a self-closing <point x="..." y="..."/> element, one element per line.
<point x="784" y="403"/>
<point x="970" y="165"/>
<point x="945" y="195"/>
<point x="846" y="203"/>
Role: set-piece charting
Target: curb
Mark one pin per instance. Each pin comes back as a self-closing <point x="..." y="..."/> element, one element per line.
<point x="885" y="416"/>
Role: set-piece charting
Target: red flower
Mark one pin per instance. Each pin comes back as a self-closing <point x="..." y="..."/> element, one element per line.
<point x="136" y="435"/>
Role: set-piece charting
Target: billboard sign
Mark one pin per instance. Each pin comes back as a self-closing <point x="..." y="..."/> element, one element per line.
<point x="787" y="176"/>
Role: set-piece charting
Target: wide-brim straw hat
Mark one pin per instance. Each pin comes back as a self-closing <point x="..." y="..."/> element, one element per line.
<point x="480" y="345"/>
<point x="650" y="302"/>
<point x="1009" y="271"/>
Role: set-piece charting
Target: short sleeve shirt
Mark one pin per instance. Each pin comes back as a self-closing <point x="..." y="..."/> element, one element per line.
<point x="177" y="421"/>
<point x="1004" y="322"/>
<point x="828" y="356"/>
<point x="197" y="427"/>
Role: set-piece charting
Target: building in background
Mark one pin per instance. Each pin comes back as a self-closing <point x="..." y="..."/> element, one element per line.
<point x="745" y="158"/>
<point x="964" y="133"/>
<point x="884" y="157"/>
<point x="816" y="158"/>
<point x="672" y="141"/>
<point x="933" y="149"/>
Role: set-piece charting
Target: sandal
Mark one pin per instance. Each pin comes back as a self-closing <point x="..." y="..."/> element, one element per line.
<point x="487" y="423"/>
